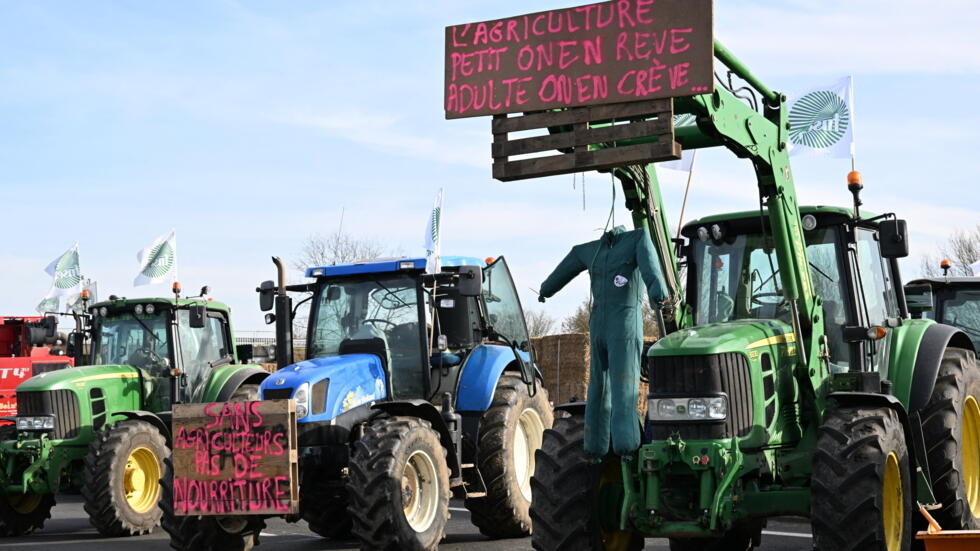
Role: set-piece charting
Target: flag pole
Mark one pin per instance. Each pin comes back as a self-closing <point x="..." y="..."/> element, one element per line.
<point x="687" y="188"/>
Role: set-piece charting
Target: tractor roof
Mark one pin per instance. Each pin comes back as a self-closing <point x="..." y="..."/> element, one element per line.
<point x="383" y="265"/>
<point x="958" y="281"/>
<point x="125" y="303"/>
<point x="819" y="209"/>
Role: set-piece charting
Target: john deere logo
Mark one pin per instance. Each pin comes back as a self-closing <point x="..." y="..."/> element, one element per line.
<point x="66" y="272"/>
<point x="159" y="261"/>
<point x="819" y="120"/>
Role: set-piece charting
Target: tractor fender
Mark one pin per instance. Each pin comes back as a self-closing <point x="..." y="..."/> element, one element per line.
<point x="935" y="340"/>
<point x="480" y="373"/>
<point x="152" y="418"/>
<point x="244" y="376"/>
<point x="425" y="410"/>
<point x="912" y="426"/>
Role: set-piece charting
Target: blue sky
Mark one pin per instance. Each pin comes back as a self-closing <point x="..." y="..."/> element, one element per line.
<point x="250" y="125"/>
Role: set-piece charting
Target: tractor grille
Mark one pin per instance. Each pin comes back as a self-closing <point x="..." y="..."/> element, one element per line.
<point x="728" y="373"/>
<point x="277" y="394"/>
<point x="62" y="403"/>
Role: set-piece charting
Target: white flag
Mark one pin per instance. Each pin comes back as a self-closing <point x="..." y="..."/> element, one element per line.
<point x="47" y="304"/>
<point x="821" y="120"/>
<point x="158" y="261"/>
<point x="686" y="162"/>
<point x="975" y="267"/>
<point x="65" y="273"/>
<point x="432" y="240"/>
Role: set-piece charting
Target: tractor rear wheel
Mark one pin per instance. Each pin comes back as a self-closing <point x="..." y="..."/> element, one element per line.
<point x="122" y="478"/>
<point x="951" y="427"/>
<point x="399" y="486"/>
<point x="323" y="504"/>
<point x="511" y="432"/>
<point x="21" y="514"/>
<point x="567" y="490"/>
<point x="193" y="533"/>
<point x="861" y="493"/>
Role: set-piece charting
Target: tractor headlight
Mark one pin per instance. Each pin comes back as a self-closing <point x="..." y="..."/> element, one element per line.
<point x="150" y="309"/>
<point x="302" y="397"/>
<point x="41" y="422"/>
<point x="695" y="408"/>
<point x="138" y="309"/>
<point x="103" y="311"/>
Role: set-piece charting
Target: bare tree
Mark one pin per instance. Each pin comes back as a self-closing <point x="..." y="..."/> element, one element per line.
<point x="539" y="323"/>
<point x="962" y="249"/>
<point x="578" y="322"/>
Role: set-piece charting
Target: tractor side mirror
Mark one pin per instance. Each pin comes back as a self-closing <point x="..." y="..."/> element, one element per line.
<point x="919" y="299"/>
<point x="245" y="352"/>
<point x="470" y="281"/>
<point x="894" y="238"/>
<point x="74" y="346"/>
<point x="267" y="295"/>
<point x="198" y="315"/>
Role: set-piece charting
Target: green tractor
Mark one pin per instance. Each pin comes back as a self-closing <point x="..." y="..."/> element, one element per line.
<point x="104" y="429"/>
<point x="791" y="379"/>
<point x="953" y="300"/>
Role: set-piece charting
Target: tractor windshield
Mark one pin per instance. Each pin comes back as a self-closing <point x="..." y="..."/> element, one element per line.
<point x="201" y="348"/>
<point x="738" y="278"/>
<point x="362" y="309"/>
<point x="962" y="310"/>
<point x="129" y="339"/>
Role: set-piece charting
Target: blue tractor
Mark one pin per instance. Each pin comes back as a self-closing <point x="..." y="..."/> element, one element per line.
<point x="416" y="386"/>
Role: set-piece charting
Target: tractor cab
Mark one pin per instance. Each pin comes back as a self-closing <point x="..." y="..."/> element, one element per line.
<point x="420" y="327"/>
<point x="733" y="275"/>
<point x="174" y="344"/>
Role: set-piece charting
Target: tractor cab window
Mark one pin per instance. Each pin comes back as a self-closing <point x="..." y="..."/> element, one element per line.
<point x="503" y="306"/>
<point x="141" y="341"/>
<point x="380" y="313"/>
<point x="962" y="310"/>
<point x="879" y="302"/>
<point x="200" y="350"/>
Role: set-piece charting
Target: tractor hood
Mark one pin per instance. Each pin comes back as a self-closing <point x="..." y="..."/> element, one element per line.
<point x="78" y="377"/>
<point x="336" y="384"/>
<point x="718" y="338"/>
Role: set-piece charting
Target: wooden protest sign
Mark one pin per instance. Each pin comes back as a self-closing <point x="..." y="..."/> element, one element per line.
<point x="610" y="52"/>
<point x="234" y="458"/>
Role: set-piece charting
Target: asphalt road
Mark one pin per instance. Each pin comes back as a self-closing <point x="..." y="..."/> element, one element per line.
<point x="69" y="528"/>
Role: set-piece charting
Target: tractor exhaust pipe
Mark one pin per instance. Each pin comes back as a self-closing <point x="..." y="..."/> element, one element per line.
<point x="284" y="318"/>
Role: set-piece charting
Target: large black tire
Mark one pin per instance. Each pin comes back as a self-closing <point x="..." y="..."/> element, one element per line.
<point x="565" y="487"/>
<point x="387" y="486"/>
<point x="951" y="426"/>
<point x="22" y="514"/>
<point x="323" y="505"/>
<point x="511" y="432"/>
<point x="122" y="478"/>
<point x="861" y="492"/>
<point x="193" y="533"/>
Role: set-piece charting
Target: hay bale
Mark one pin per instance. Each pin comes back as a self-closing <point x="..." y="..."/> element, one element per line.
<point x="564" y="361"/>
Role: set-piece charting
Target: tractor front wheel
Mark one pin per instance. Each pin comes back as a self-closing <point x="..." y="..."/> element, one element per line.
<point x="22" y="514"/>
<point x="569" y="493"/>
<point x="511" y="432"/>
<point x="861" y="493"/>
<point x="951" y="427"/>
<point x="399" y="486"/>
<point x="122" y="478"/>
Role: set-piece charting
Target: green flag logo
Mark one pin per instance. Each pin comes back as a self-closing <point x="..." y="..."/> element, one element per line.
<point x="819" y="120"/>
<point x="66" y="272"/>
<point x="436" y="212"/>
<point x="159" y="261"/>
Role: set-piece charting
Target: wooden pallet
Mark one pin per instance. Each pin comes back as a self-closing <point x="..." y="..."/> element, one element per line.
<point x="584" y="138"/>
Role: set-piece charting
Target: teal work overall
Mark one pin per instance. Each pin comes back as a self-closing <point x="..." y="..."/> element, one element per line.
<point x="615" y="263"/>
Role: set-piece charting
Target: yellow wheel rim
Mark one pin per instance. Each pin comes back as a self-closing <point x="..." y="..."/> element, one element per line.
<point x="971" y="453"/>
<point x="893" y="504"/>
<point x="141" y="480"/>
<point x="613" y="540"/>
<point x="24" y="504"/>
